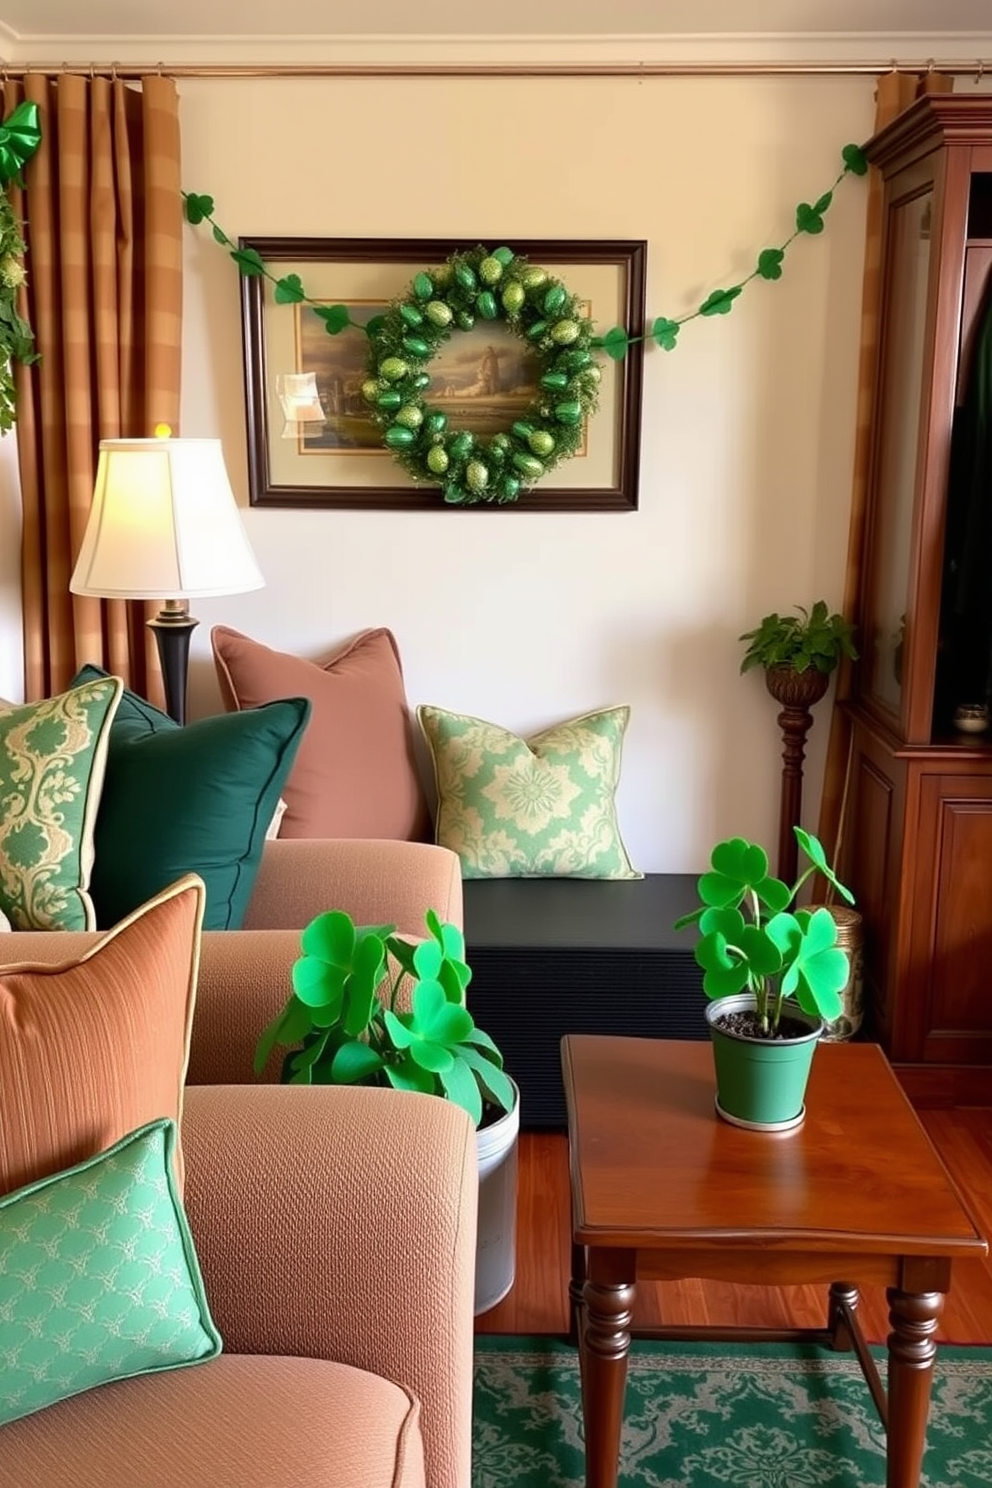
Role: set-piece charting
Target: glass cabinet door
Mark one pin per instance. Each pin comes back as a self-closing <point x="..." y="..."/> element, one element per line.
<point x="895" y="475"/>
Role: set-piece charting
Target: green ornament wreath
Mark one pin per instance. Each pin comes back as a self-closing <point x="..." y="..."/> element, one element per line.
<point x="468" y="289"/>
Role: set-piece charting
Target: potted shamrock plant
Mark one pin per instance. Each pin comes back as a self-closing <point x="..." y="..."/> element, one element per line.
<point x="773" y="973"/>
<point x="368" y="1007"/>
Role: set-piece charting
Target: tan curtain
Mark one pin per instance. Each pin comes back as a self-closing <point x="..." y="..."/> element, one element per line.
<point x="103" y="225"/>
<point x="895" y="92"/>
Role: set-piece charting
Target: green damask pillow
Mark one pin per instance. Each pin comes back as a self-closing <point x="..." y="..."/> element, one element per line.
<point x="52" y="760"/>
<point x="529" y="808"/>
<point x="99" y="1280"/>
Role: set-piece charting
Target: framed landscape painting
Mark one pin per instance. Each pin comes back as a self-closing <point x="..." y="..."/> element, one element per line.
<point x="311" y="441"/>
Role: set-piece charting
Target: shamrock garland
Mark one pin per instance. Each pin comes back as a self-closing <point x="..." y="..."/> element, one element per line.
<point x="808" y="219"/>
<point x="491" y="286"/>
<point x="20" y="136"/>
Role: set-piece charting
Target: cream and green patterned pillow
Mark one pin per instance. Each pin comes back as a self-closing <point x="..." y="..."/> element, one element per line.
<point x="52" y="760"/>
<point x="529" y="808"/>
<point x="99" y="1280"/>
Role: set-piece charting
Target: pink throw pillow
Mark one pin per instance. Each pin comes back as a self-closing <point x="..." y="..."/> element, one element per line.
<point x="355" y="774"/>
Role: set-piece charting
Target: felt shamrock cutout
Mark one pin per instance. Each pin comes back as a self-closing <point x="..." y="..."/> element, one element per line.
<point x="614" y="343"/>
<point x="289" y="290"/>
<point x="665" y="333"/>
<point x="721" y="301"/>
<point x="198" y="208"/>
<point x="335" y="317"/>
<point x="770" y="263"/>
<point x="854" y="158"/>
<point x="809" y="219"/>
<point x="249" y="262"/>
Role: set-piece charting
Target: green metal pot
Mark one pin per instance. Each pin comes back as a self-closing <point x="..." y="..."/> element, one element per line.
<point x="761" y="1083"/>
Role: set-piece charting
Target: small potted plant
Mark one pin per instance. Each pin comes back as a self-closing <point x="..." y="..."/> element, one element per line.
<point x="371" y="1008"/>
<point x="773" y="974"/>
<point x="798" y="652"/>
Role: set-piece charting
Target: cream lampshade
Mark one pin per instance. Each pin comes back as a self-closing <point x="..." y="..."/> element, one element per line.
<point x="164" y="524"/>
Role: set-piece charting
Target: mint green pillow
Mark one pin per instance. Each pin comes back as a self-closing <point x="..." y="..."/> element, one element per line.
<point x="99" y="1280"/>
<point x="193" y="799"/>
<point x="529" y="808"/>
<point x="52" y="760"/>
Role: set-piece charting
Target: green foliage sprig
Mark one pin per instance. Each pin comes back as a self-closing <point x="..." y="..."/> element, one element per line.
<point x="751" y="941"/>
<point x="16" y="336"/>
<point x="810" y="638"/>
<point x="345" y="1026"/>
<point x="20" y="136"/>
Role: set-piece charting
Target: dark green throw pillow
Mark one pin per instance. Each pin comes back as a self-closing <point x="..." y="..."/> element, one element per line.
<point x="193" y="799"/>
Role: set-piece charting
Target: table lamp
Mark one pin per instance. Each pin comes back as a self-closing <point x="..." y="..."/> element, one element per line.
<point x="164" y="524"/>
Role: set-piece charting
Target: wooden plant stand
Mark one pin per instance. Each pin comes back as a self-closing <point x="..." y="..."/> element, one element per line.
<point x="796" y="692"/>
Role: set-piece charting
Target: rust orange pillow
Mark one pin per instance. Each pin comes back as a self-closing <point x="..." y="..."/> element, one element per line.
<point x="93" y="1047"/>
<point x="355" y="774"/>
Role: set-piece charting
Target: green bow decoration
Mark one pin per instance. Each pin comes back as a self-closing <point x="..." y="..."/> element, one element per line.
<point x="20" y="136"/>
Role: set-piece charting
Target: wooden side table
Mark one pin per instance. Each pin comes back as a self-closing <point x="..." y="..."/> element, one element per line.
<point x="662" y="1189"/>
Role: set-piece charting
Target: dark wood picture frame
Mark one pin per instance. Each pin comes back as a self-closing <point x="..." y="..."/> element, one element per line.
<point x="618" y="436"/>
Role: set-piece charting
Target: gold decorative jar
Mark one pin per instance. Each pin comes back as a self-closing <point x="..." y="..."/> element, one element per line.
<point x="850" y="938"/>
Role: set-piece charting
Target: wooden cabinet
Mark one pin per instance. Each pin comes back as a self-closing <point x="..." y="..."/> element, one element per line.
<point x="917" y="846"/>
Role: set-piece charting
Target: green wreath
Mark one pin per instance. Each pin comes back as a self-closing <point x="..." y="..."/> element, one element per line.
<point x="467" y="288"/>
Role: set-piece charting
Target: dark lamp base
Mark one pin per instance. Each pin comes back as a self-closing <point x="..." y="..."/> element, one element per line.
<point x="173" y="626"/>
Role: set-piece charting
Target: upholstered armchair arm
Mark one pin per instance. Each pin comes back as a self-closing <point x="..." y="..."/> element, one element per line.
<point x="378" y="882"/>
<point x="244" y="980"/>
<point x="245" y="974"/>
<point x="340" y="1223"/>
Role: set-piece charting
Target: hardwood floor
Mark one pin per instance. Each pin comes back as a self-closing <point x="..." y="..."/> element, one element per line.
<point x="538" y="1300"/>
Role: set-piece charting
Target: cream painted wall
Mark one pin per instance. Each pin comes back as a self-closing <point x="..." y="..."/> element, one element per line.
<point x="530" y="617"/>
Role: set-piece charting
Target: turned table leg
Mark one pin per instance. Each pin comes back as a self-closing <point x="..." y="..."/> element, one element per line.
<point x="842" y="1308"/>
<point x="607" y="1312"/>
<point x="914" y="1318"/>
<point x="576" y="1284"/>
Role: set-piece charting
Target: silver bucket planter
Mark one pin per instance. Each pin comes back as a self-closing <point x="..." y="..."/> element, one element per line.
<point x="496" y="1245"/>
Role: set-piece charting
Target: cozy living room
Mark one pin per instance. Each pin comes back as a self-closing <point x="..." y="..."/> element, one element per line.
<point x="495" y="681"/>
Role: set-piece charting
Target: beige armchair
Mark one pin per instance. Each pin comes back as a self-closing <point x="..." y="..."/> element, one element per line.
<point x="335" y="1229"/>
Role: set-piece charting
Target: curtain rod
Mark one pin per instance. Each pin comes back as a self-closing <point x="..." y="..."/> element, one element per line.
<point x="132" y="71"/>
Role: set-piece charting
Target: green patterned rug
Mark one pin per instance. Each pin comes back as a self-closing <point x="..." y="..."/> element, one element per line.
<point x="721" y="1416"/>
